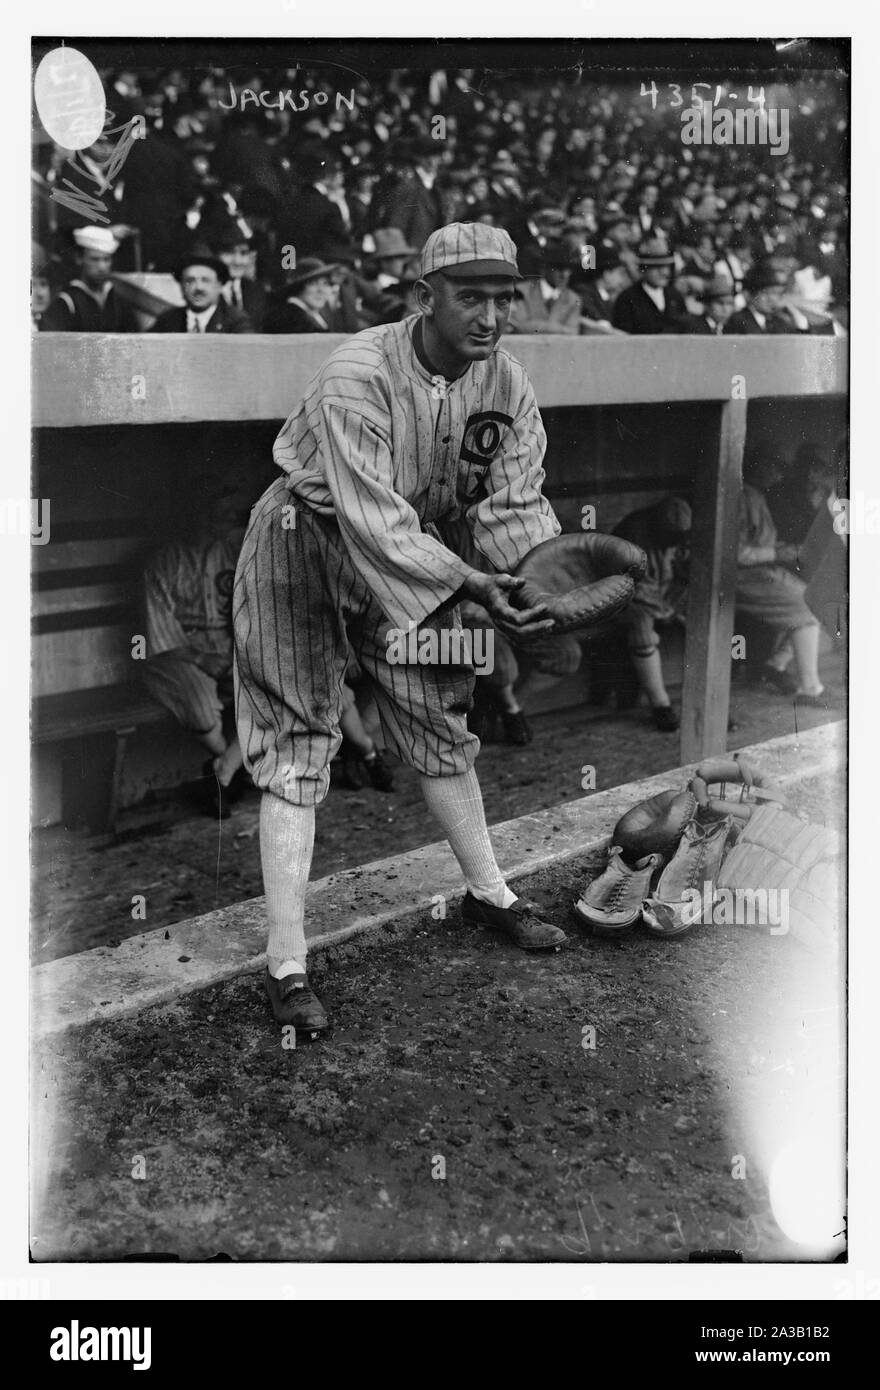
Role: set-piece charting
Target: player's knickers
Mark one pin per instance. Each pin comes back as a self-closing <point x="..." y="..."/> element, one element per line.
<point x="299" y="609"/>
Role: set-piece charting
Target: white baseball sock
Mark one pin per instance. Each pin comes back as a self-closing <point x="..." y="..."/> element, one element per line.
<point x="287" y="837"/>
<point x="457" y="804"/>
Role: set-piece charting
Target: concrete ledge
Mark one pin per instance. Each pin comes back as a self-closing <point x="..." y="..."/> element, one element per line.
<point x="160" y="965"/>
<point x="236" y="377"/>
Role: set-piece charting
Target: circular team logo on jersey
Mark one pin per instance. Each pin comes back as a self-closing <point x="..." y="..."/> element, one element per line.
<point x="482" y="436"/>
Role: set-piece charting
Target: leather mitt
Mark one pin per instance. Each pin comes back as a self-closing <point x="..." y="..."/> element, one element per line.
<point x="585" y="580"/>
<point x="654" y="826"/>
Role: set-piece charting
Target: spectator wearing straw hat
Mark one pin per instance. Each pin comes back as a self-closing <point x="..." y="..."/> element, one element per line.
<point x="652" y="305"/>
<point x="89" y="303"/>
<point x="202" y="276"/>
<point x="305" y="306"/>
<point x="391" y="254"/>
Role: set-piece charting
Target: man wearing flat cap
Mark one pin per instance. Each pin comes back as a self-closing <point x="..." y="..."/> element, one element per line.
<point x="89" y="303"/>
<point x="652" y="305"/>
<point x="416" y="442"/>
<point x="201" y="276"/>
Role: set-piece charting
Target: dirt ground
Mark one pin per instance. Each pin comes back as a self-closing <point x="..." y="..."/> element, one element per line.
<point x="458" y="1110"/>
<point x="454" y="1113"/>
<point x="82" y="889"/>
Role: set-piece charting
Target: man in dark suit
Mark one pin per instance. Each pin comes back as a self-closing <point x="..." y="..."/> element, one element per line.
<point x="717" y="297"/>
<point x="651" y="305"/>
<point x="242" y="290"/>
<point x="599" y="293"/>
<point x="321" y="218"/>
<point x="413" y="204"/>
<point x="764" y="294"/>
<point x="202" y="276"/>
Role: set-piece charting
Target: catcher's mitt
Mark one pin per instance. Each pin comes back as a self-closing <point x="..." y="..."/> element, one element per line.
<point x="585" y="580"/>
<point x="654" y="826"/>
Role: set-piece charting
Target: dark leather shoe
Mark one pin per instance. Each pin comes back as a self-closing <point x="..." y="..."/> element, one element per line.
<point x="482" y="719"/>
<point x="665" y="718"/>
<point x="516" y="727"/>
<point x="379" y="773"/>
<point x="520" y="923"/>
<point x="293" y="1001"/>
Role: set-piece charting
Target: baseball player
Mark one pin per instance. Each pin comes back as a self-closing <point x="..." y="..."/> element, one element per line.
<point x="408" y="432"/>
<point x="187" y="595"/>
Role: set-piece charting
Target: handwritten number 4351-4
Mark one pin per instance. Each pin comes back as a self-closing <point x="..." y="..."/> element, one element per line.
<point x="696" y="99"/>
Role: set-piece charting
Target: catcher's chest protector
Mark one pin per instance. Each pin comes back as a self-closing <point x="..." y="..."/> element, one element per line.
<point x="775" y="850"/>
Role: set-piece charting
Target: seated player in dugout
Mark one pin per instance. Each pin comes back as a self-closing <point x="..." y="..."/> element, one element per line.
<point x="769" y="591"/>
<point x="408" y="432"/>
<point x="188" y="614"/>
<point x="660" y="600"/>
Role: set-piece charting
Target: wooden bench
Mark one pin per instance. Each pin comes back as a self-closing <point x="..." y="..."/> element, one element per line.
<point x="87" y="699"/>
<point x="99" y="722"/>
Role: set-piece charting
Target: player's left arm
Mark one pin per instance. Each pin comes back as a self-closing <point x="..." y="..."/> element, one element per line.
<point x="514" y="515"/>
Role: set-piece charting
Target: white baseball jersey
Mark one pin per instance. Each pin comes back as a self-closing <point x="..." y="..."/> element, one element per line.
<point x="388" y="450"/>
<point x="380" y="459"/>
<point x="188" y="596"/>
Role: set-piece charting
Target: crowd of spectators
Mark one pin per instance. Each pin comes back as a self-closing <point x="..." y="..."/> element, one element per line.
<point x="306" y="212"/>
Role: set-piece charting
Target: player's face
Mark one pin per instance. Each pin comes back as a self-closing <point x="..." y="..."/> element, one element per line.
<point x="469" y="316"/>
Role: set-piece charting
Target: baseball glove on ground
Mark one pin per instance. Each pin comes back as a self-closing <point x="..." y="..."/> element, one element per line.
<point x="585" y="580"/>
<point x="654" y="826"/>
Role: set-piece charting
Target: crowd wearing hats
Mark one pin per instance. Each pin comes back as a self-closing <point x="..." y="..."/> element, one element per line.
<point x="318" y="213"/>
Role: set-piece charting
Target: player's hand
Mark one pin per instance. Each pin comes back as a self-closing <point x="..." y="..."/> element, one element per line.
<point x="500" y="596"/>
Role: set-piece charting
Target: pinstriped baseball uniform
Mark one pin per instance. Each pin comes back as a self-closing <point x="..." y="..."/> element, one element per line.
<point x="383" y="463"/>
<point x="188" y="607"/>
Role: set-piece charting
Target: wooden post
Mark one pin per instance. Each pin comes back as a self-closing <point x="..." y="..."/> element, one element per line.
<point x="706" y="689"/>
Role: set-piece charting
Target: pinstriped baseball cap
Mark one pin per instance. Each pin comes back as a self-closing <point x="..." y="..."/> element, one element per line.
<point x="469" y="250"/>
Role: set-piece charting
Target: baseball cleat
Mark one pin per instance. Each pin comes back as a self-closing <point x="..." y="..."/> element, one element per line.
<point x="612" y="903"/>
<point x="669" y="911"/>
